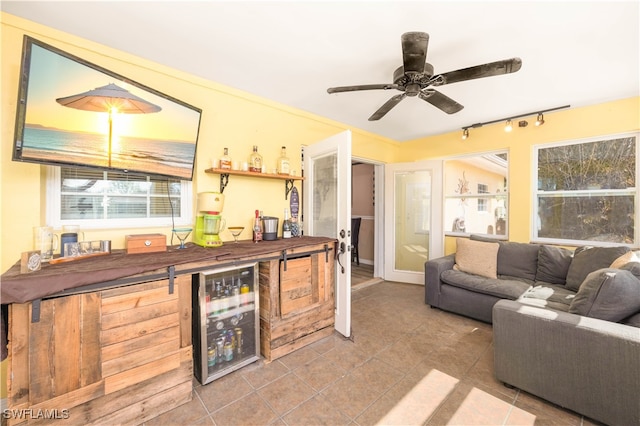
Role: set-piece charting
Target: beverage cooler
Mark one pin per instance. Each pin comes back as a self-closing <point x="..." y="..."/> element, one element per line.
<point x="226" y="320"/>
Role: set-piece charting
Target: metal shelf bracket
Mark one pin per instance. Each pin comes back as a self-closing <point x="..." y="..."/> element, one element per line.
<point x="288" y="186"/>
<point x="224" y="181"/>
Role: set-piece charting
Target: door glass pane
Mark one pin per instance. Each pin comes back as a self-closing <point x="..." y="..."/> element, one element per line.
<point x="412" y="219"/>
<point x="325" y="196"/>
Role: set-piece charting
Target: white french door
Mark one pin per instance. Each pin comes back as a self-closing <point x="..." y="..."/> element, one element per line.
<point x="413" y="219"/>
<point x="327" y="211"/>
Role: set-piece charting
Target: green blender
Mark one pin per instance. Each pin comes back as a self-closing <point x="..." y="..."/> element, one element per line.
<point x="209" y="222"/>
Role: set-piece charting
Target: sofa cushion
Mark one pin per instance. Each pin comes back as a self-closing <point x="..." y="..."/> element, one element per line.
<point x="477" y="257"/>
<point x="608" y="294"/>
<point x="518" y="260"/>
<point x="507" y="289"/>
<point x="589" y="259"/>
<point x="633" y="320"/>
<point x="553" y="264"/>
<point x="624" y="259"/>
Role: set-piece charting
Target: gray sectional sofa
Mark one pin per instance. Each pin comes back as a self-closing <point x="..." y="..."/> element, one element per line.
<point x="566" y="323"/>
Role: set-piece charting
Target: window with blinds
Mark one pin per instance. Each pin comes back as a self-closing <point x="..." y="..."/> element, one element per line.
<point x="100" y="199"/>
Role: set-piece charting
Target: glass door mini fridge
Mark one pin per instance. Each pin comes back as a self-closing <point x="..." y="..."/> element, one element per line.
<point x="226" y="320"/>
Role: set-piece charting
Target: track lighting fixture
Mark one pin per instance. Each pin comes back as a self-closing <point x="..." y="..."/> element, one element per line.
<point x="508" y="126"/>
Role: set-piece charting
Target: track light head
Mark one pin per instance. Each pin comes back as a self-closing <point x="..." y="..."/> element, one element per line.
<point x="508" y="127"/>
<point x="540" y="119"/>
<point x="465" y="133"/>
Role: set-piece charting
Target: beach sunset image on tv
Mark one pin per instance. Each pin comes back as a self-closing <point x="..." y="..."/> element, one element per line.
<point x="76" y="113"/>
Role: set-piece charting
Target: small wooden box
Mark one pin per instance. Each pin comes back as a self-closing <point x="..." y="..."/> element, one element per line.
<point x="146" y="243"/>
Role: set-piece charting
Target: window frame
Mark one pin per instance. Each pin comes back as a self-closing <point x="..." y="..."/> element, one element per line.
<point x="53" y="207"/>
<point x="535" y="192"/>
<point x="486" y="196"/>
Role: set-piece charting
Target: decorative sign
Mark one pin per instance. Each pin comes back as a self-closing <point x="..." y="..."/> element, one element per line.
<point x="294" y="202"/>
<point x="30" y="261"/>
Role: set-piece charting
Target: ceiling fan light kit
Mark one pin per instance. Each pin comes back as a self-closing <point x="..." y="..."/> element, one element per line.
<point x="508" y="127"/>
<point x="416" y="77"/>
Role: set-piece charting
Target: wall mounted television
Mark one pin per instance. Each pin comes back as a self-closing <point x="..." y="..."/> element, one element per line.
<point x="75" y="113"/>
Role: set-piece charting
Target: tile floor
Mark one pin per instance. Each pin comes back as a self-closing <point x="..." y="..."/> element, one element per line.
<point x="406" y="364"/>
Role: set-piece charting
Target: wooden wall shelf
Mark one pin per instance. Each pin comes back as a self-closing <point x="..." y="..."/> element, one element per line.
<point x="225" y="173"/>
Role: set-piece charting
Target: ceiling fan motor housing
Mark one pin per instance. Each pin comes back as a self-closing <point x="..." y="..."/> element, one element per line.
<point x="402" y="79"/>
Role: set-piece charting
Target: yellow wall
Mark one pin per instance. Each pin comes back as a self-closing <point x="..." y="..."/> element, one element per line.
<point x="609" y="118"/>
<point x="230" y="118"/>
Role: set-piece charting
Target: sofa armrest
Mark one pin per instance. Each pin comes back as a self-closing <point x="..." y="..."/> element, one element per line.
<point x="585" y="364"/>
<point x="432" y="270"/>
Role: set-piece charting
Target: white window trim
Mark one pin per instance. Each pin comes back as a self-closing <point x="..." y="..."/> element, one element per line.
<point x="632" y="191"/>
<point x="53" y="198"/>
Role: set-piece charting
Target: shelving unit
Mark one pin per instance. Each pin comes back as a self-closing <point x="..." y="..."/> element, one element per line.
<point x="225" y="173"/>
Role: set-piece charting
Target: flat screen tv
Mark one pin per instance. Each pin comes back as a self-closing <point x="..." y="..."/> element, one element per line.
<point x="75" y="113"/>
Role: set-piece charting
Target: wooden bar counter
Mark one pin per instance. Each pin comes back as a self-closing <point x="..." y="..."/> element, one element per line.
<point x="108" y="340"/>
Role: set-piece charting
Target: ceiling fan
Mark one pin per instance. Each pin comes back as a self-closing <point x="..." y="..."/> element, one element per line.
<point x="415" y="77"/>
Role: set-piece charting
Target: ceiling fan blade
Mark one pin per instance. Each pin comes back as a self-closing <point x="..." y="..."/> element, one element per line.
<point x="361" y="87"/>
<point x="414" y="51"/>
<point x="440" y="101"/>
<point x="506" y="66"/>
<point x="384" y="109"/>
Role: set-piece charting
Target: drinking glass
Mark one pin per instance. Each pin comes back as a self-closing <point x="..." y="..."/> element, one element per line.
<point x="236" y="231"/>
<point x="46" y="241"/>
<point x="182" y="234"/>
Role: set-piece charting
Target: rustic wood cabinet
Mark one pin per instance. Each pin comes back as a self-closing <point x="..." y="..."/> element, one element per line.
<point x="296" y="299"/>
<point x="121" y="355"/>
<point x="116" y="347"/>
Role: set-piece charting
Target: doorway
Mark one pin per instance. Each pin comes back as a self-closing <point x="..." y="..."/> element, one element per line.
<point x="365" y="201"/>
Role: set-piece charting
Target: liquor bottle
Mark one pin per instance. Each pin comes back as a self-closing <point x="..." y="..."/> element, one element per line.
<point x="257" y="228"/>
<point x="283" y="162"/>
<point x="286" y="225"/>
<point x="225" y="160"/>
<point x="255" y="161"/>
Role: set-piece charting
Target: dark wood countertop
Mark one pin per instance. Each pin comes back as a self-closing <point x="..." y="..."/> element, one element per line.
<point x="53" y="279"/>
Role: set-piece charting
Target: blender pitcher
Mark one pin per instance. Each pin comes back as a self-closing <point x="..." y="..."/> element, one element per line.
<point x="46" y="241"/>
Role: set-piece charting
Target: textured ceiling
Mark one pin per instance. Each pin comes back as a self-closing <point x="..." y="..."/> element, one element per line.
<point x="575" y="52"/>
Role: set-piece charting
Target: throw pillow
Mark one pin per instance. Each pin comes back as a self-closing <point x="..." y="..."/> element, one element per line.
<point x="624" y="259"/>
<point x="608" y="294"/>
<point x="553" y="264"/>
<point x="477" y="257"/>
<point x="587" y="260"/>
<point x="515" y="259"/>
